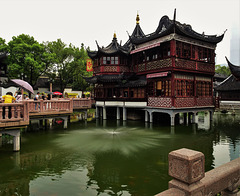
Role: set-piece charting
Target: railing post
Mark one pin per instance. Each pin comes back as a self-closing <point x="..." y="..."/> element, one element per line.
<point x="41" y="105"/>
<point x="187" y="168"/>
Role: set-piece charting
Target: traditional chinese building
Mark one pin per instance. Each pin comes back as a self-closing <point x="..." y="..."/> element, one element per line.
<point x="168" y="71"/>
<point x="229" y="89"/>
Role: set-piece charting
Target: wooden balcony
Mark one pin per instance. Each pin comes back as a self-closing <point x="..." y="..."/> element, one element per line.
<point x="180" y="102"/>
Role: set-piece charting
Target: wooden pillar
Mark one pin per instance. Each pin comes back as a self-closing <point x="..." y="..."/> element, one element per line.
<point x="50" y="90"/>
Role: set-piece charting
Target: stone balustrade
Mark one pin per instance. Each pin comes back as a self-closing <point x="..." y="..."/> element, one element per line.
<point x="50" y="105"/>
<point x="189" y="177"/>
<point x="81" y="103"/>
<point x="13" y="114"/>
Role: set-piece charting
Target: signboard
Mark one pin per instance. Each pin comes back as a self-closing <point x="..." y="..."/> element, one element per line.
<point x="145" y="48"/>
<point x="155" y="75"/>
<point x="89" y="66"/>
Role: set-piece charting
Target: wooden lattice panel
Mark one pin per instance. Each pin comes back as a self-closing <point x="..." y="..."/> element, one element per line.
<point x="124" y="69"/>
<point x="206" y="67"/>
<point x="184" y="102"/>
<point x="110" y="68"/>
<point x="159" y="64"/>
<point x="205" y="101"/>
<point x="186" y="64"/>
<point x="165" y="102"/>
<point x="141" y="67"/>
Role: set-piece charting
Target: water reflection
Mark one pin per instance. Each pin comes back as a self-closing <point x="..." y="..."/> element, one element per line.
<point x="110" y="157"/>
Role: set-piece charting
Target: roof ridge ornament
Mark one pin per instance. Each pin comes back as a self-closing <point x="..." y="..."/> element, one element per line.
<point x="114" y="35"/>
<point x="137" y="18"/>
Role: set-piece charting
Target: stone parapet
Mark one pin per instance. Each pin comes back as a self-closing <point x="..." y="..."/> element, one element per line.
<point x="189" y="177"/>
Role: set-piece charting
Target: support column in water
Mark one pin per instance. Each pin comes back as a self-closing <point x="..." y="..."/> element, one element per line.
<point x="124" y="113"/>
<point x="118" y="113"/>
<point x="97" y="112"/>
<point x="104" y="113"/>
<point x="172" y="116"/>
<point x="146" y="116"/>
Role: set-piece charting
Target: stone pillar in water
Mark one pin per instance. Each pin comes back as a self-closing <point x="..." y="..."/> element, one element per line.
<point x="146" y="116"/>
<point x="118" y="113"/>
<point x="16" y="140"/>
<point x="97" y="113"/>
<point x="104" y="113"/>
<point x="172" y="116"/>
<point x="124" y="113"/>
<point x="151" y="117"/>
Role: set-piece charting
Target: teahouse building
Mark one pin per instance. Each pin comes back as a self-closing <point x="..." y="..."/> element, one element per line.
<point x="168" y="71"/>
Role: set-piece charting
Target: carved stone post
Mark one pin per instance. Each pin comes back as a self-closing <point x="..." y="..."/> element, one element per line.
<point x="187" y="168"/>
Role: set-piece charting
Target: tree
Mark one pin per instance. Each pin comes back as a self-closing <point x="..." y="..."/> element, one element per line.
<point x="27" y="58"/>
<point x="3" y="46"/>
<point x="79" y="63"/>
<point x="69" y="64"/>
<point x="222" y="69"/>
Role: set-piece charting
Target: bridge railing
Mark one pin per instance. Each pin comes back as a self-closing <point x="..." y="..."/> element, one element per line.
<point x="50" y="105"/>
<point x="81" y="103"/>
<point x="13" y="114"/>
<point x="187" y="167"/>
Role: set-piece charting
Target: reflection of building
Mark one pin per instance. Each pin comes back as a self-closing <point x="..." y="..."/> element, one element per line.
<point x="169" y="69"/>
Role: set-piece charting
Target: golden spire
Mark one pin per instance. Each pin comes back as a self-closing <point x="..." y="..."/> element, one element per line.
<point x="137" y="18"/>
<point x="114" y="35"/>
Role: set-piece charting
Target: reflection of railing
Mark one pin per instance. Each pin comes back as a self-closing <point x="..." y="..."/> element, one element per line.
<point x="13" y="114"/>
<point x="187" y="167"/>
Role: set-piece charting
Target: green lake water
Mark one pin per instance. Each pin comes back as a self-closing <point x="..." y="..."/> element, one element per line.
<point x="110" y="157"/>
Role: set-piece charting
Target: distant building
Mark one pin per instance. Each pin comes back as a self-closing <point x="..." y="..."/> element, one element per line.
<point x="168" y="71"/>
<point x="229" y="89"/>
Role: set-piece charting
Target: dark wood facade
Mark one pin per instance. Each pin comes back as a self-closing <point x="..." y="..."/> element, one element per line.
<point x="172" y="67"/>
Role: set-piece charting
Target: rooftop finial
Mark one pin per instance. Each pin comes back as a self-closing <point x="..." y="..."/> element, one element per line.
<point x="114" y="35"/>
<point x="137" y="18"/>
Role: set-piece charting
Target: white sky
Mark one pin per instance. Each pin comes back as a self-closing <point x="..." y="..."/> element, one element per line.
<point x="84" y="21"/>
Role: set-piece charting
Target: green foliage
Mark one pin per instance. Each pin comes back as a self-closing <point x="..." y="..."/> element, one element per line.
<point x="224" y="70"/>
<point x="3" y="46"/>
<point x="69" y="65"/>
<point x="27" y="58"/>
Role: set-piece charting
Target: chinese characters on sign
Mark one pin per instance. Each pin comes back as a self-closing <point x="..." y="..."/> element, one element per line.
<point x="89" y="65"/>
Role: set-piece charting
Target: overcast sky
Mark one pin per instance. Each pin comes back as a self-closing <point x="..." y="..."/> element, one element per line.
<point x="84" y="21"/>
